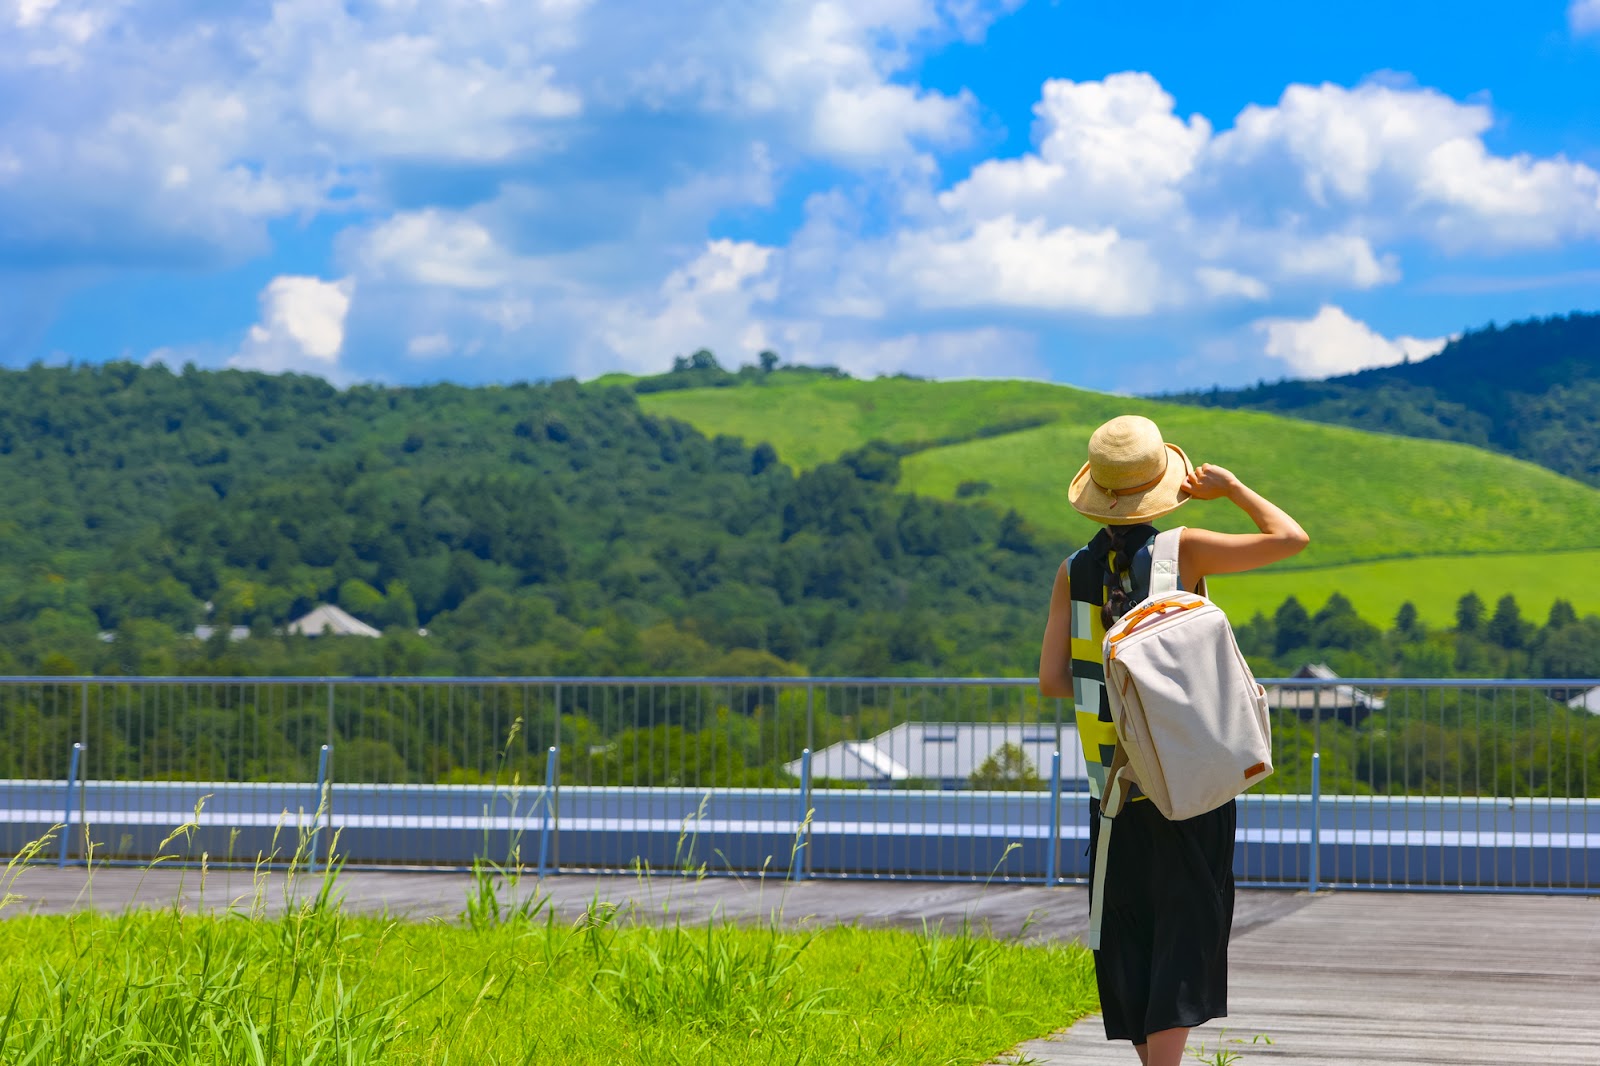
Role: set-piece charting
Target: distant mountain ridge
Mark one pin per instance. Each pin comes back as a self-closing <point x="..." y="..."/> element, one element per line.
<point x="1530" y="389"/>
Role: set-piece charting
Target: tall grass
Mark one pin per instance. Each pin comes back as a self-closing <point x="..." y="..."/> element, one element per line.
<point x="322" y="986"/>
<point x="511" y="982"/>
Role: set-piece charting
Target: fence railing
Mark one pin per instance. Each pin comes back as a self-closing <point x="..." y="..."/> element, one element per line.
<point x="1487" y="785"/>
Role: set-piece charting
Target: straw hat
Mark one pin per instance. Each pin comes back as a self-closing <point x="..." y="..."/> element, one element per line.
<point x="1132" y="474"/>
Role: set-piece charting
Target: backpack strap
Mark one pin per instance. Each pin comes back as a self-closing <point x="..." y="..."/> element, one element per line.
<point x="1164" y="563"/>
<point x="1111" y="800"/>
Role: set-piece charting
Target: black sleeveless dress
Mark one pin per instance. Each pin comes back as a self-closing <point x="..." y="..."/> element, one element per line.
<point x="1163" y="961"/>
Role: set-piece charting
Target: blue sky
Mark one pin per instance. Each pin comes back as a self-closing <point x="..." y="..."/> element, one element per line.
<point x="1134" y="198"/>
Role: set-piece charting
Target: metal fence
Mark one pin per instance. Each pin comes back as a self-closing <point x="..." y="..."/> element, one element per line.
<point x="1379" y="783"/>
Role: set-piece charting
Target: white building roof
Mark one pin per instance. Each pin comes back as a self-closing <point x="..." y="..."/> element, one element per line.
<point x="946" y="751"/>
<point x="325" y="618"/>
<point x="1325" y="697"/>
<point x="235" y="633"/>
<point x="1586" y="701"/>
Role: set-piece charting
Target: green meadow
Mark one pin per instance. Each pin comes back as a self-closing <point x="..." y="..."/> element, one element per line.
<point x="1391" y="518"/>
<point x="1431" y="583"/>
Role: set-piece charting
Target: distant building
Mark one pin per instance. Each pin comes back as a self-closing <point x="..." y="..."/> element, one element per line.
<point x="1586" y="701"/>
<point x="235" y="633"/>
<point x="327" y="620"/>
<point x="946" y="755"/>
<point x="1346" y="703"/>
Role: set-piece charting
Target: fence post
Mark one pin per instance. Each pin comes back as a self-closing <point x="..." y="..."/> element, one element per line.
<point x="1055" y="818"/>
<point x="800" y="857"/>
<point x="552" y="767"/>
<point x="555" y="793"/>
<point x="322" y="811"/>
<point x="83" y="737"/>
<point x="66" y="815"/>
<point x="1316" y="820"/>
<point x="810" y="715"/>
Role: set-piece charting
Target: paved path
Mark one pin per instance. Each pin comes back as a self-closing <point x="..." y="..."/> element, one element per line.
<point x="1336" y="979"/>
<point x="1390" y="978"/>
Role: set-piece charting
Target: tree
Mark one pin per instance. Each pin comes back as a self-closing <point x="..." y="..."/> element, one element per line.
<point x="704" y="360"/>
<point x="361" y="600"/>
<point x="1469" y="614"/>
<point x="1293" y="627"/>
<point x="1407" y="626"/>
<point x="1007" y="768"/>
<point x="1257" y="636"/>
<point x="910" y="639"/>
<point x="1015" y="536"/>
<point x="1561" y="615"/>
<point x="1337" y="625"/>
<point x="876" y="461"/>
<point x="764" y="458"/>
<point x="1573" y="651"/>
<point x="769" y="361"/>
<point x="1506" y="628"/>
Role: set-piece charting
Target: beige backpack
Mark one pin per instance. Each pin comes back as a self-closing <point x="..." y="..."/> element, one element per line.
<point x="1192" y="725"/>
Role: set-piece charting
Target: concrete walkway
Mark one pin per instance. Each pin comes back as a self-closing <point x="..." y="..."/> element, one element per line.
<point x="1336" y="979"/>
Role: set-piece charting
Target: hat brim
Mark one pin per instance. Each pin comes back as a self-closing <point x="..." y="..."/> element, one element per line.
<point x="1091" y="501"/>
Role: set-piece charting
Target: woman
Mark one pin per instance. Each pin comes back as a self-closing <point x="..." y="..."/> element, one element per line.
<point x="1163" y="965"/>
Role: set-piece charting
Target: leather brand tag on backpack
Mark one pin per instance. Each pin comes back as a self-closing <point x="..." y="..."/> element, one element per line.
<point x="1258" y="768"/>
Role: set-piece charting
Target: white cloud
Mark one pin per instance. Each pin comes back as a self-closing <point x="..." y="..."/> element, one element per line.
<point x="1509" y="201"/>
<point x="538" y="184"/>
<point x="52" y="33"/>
<point x="1584" y="16"/>
<point x="710" y="302"/>
<point x="434" y="248"/>
<point x="1343" y="259"/>
<point x="1331" y="343"/>
<point x="1110" y="150"/>
<point x="1124" y="211"/>
<point x="30" y="13"/>
<point x="866" y="123"/>
<point x="1124" y="208"/>
<point x="1223" y="284"/>
<point x="301" y="328"/>
<point x="1004" y="262"/>
<point x="169" y="184"/>
<point x="827" y="68"/>
<point x="990" y="352"/>
<point x="1402" y="161"/>
<point x="429" y="346"/>
<point x="264" y="112"/>
<point x="400" y="97"/>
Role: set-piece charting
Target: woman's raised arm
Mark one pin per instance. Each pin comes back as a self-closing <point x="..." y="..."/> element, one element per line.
<point x="1204" y="552"/>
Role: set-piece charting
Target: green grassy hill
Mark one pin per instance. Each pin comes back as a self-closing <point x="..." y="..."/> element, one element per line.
<point x="1448" y="517"/>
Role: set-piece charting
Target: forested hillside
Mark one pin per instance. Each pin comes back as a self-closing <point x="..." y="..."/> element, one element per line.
<point x="556" y="529"/>
<point x="530" y="529"/>
<point x="1531" y="389"/>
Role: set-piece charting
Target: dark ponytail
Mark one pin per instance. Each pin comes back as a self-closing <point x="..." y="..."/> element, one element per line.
<point x="1118" y="578"/>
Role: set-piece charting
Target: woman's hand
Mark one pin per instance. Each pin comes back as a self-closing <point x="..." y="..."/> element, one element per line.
<point x="1210" y="482"/>
<point x="1202" y="552"/>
